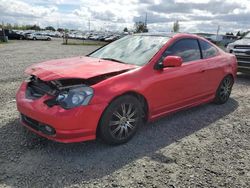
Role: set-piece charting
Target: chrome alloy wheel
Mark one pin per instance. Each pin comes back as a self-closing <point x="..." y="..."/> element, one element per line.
<point x="226" y="88"/>
<point x="123" y="121"/>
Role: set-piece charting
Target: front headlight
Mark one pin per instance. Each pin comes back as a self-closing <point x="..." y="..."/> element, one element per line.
<point x="75" y="97"/>
<point x="230" y="47"/>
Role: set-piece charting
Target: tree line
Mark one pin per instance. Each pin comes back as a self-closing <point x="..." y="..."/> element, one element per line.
<point x="30" y="27"/>
<point x="139" y="27"/>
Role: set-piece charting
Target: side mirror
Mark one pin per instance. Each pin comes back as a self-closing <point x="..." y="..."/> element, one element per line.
<point x="172" y="61"/>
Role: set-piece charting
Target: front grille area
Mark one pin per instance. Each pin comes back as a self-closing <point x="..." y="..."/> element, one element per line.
<point x="242" y="53"/>
<point x="243" y="58"/>
<point x="244" y="64"/>
<point x="242" y="47"/>
<point x="37" y="88"/>
<point x="243" y="61"/>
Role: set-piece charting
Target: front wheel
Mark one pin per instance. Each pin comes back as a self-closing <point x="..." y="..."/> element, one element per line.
<point x="120" y="120"/>
<point x="224" y="90"/>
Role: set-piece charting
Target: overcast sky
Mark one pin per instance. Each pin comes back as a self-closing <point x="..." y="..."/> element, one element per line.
<point x="194" y="15"/>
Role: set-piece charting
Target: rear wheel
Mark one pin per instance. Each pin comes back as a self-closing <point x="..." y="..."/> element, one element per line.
<point x="34" y="38"/>
<point x="224" y="90"/>
<point x="120" y="120"/>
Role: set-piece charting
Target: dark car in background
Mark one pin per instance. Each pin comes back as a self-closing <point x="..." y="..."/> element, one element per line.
<point x="241" y="49"/>
<point x="13" y="35"/>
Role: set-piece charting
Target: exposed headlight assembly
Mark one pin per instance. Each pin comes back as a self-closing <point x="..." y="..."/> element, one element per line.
<point x="74" y="97"/>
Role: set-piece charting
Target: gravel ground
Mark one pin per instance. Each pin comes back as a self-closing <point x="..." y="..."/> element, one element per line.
<point x="206" y="146"/>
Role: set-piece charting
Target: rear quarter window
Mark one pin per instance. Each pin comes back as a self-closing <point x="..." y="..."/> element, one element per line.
<point x="208" y="50"/>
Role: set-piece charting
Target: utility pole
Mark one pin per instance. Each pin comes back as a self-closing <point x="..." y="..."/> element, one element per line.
<point x="89" y="25"/>
<point x="146" y="20"/>
<point x="218" y="30"/>
<point x="3" y="30"/>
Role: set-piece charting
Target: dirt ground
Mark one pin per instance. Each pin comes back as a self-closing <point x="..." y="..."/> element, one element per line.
<point x="206" y="146"/>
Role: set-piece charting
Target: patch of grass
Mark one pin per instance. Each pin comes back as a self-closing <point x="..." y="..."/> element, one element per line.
<point x="1" y="43"/>
<point x="8" y="42"/>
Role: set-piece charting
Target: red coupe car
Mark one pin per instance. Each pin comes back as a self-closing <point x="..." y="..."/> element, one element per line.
<point x="111" y="91"/>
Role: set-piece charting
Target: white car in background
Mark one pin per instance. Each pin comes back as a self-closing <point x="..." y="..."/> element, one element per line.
<point x="38" y="36"/>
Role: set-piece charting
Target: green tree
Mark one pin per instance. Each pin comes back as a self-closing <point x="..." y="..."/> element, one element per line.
<point x="125" y="29"/>
<point x="140" y="27"/>
<point x="66" y="30"/>
<point x="50" y="28"/>
<point x="60" y="29"/>
<point x="176" y="26"/>
<point x="8" y="26"/>
<point x="244" y="33"/>
<point x="15" y="26"/>
<point x="33" y="27"/>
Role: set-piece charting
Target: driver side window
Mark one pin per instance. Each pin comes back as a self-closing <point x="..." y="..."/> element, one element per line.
<point x="187" y="49"/>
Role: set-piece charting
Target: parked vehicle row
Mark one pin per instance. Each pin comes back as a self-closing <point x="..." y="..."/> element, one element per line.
<point x="47" y="35"/>
<point x="223" y="40"/>
<point x="95" y="36"/>
<point x="26" y="35"/>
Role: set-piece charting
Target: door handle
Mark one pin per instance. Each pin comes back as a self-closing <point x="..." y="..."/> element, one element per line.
<point x="202" y="71"/>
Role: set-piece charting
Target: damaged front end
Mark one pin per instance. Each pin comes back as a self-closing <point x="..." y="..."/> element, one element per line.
<point x="66" y="93"/>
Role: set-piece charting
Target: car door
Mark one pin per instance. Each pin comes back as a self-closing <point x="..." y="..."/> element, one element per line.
<point x="177" y="87"/>
<point x="43" y="37"/>
<point x="39" y="36"/>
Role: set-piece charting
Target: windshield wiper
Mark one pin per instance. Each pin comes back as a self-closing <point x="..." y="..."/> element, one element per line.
<point x="112" y="59"/>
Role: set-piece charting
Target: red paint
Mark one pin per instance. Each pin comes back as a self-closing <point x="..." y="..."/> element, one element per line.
<point x="165" y="91"/>
<point x="77" y="67"/>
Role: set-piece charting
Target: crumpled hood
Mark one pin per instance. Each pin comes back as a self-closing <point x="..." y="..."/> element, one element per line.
<point x="77" y="67"/>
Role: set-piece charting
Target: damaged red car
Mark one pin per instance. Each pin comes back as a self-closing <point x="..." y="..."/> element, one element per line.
<point x="113" y="90"/>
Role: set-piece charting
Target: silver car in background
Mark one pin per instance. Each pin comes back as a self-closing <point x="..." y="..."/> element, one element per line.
<point x="38" y="36"/>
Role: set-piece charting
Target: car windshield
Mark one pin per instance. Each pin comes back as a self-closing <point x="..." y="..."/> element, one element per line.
<point x="132" y="49"/>
<point x="247" y="36"/>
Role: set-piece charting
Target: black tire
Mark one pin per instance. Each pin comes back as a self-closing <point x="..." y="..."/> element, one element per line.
<point x="34" y="38"/>
<point x="120" y="120"/>
<point x="48" y="39"/>
<point x="224" y="90"/>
